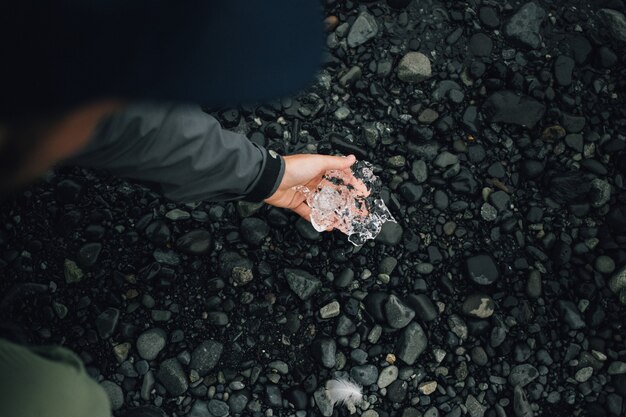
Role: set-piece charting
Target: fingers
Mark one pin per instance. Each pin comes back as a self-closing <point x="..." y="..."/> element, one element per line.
<point x="337" y="162"/>
<point x="304" y="211"/>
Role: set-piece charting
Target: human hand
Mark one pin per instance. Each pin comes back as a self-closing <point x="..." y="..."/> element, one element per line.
<point x="306" y="170"/>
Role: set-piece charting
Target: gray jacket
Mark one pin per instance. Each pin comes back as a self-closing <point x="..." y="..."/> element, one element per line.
<point x="184" y="152"/>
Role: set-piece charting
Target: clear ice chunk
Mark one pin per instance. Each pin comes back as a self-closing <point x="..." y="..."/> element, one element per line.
<point x="349" y="201"/>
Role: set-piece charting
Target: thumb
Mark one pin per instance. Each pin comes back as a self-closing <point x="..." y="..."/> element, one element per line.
<point x="338" y="162"/>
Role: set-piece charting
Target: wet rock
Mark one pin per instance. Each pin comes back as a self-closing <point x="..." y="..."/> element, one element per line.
<point x="424" y="309"/>
<point x="521" y="405"/>
<point x="563" y="67"/>
<point x="115" y="394"/>
<point x="479" y="306"/>
<point x="323" y="350"/>
<point x="88" y="254"/>
<point x="412" y="343"/>
<point x="363" y="29"/>
<point x="524" y="27"/>
<point x="571" y="315"/>
<point x="480" y="45"/>
<point x="489" y="17"/>
<point x="150" y="343"/>
<point x="615" y="22"/>
<point x="522" y="375"/>
<point x="397" y="313"/>
<point x="414" y="67"/>
<point x="303" y="284"/>
<point x="106" y="323"/>
<point x="205" y="356"/>
<point x="390" y="234"/>
<point x="508" y="107"/>
<point x="482" y="269"/>
<point x="172" y="376"/>
<point x="364" y="374"/>
<point x="254" y="230"/>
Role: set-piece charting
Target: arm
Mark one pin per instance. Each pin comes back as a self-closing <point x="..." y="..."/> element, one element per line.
<point x="185" y="152"/>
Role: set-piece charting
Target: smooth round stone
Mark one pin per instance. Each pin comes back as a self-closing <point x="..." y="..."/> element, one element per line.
<point x="583" y="374"/>
<point x="604" y="264"/>
<point x="482" y="269"/>
<point x="254" y="231"/>
<point x="150" y="343"/>
<point x="488" y="212"/>
<point x="115" y="394"/>
<point x="387" y="376"/>
<point x="424" y="268"/>
<point x="218" y="408"/>
<point x="364" y="374"/>
<point x="479" y="356"/>
<point x="414" y="67"/>
<point x="533" y="285"/>
<point x="479" y="306"/>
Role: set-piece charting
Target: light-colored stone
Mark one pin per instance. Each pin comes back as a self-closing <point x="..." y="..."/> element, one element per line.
<point x="414" y="67"/>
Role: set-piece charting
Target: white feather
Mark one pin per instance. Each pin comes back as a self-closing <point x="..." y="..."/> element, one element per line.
<point x="342" y="391"/>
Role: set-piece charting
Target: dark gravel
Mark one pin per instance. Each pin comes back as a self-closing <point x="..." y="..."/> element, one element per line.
<point x="497" y="129"/>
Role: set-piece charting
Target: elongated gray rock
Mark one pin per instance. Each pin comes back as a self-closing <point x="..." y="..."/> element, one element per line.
<point x="412" y="343"/>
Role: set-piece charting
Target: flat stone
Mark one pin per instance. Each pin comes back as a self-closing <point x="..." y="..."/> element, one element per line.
<point x="397" y="313"/>
<point x="115" y="394"/>
<point x="363" y="29"/>
<point x="522" y="375"/>
<point x="482" y="269"/>
<point x="412" y="343"/>
<point x="387" y="376"/>
<point x="615" y="22"/>
<point x="364" y="374"/>
<point x="172" y="376"/>
<point x="563" y="67"/>
<point x="478" y="306"/>
<point x="150" y="343"/>
<point x="525" y="25"/>
<point x="205" y="356"/>
<point x="302" y="283"/>
<point x="106" y="322"/>
<point x="414" y="67"/>
<point x="583" y="374"/>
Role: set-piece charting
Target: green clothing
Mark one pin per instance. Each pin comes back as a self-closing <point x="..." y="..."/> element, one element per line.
<point x="47" y="382"/>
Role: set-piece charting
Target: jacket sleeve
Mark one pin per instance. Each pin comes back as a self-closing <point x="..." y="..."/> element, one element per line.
<point x="184" y="152"/>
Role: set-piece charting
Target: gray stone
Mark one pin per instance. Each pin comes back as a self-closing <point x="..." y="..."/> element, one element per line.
<point x="397" y="313"/>
<point x="205" y="356"/>
<point x="583" y="374"/>
<point x="414" y="67"/>
<point x="479" y="306"/>
<point x="172" y="376"/>
<point x="419" y="171"/>
<point x="106" y="323"/>
<point x="571" y="314"/>
<point x="166" y="256"/>
<point x="387" y="376"/>
<point x="617" y="368"/>
<point x="618" y="281"/>
<point x="445" y="159"/>
<point x="615" y="21"/>
<point x="525" y="25"/>
<point x="533" y="285"/>
<point x="600" y="192"/>
<point x="474" y="407"/>
<point x="488" y="212"/>
<point x="523" y="375"/>
<point x="115" y="394"/>
<point x="458" y="326"/>
<point x="521" y="406"/>
<point x="150" y="343"/>
<point x="303" y="284"/>
<point x="563" y="67"/>
<point x="218" y="408"/>
<point x="364" y="374"/>
<point x="200" y="409"/>
<point x="482" y="269"/>
<point x="412" y="343"/>
<point x="604" y="264"/>
<point x="363" y="29"/>
<point x="177" y="214"/>
<point x="323" y="402"/>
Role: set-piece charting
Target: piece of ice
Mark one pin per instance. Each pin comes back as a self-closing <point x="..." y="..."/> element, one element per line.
<point x="349" y="201"/>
